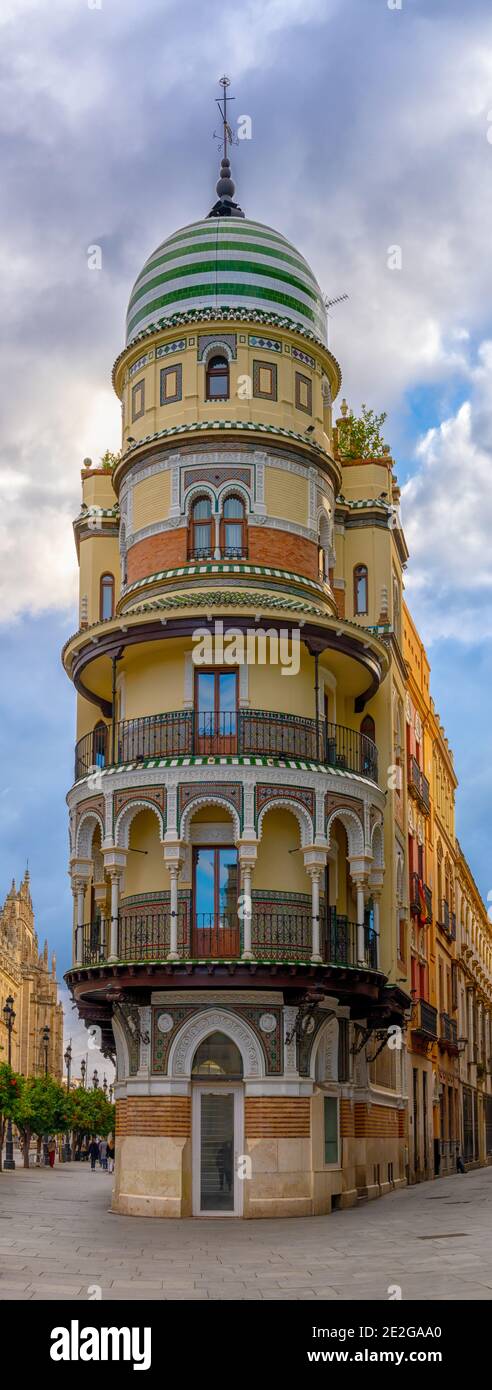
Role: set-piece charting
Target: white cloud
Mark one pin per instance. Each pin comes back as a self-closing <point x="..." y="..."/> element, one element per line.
<point x="447" y="514"/>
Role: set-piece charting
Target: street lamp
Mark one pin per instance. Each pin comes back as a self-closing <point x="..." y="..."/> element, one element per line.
<point x="67" y="1153"/>
<point x="9" y="1017"/>
<point x="45" y="1034"/>
<point x="111" y="1089"/>
<point x="95" y="1079"/>
<point x="105" y="1085"/>
<point x="83" y="1066"/>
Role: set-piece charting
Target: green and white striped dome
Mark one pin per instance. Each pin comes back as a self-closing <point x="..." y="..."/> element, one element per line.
<point x="226" y="262"/>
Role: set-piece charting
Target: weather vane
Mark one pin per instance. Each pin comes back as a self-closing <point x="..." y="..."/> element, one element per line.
<point x="227" y="135"/>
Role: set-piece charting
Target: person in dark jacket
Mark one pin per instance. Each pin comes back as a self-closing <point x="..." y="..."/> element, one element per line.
<point x="93" y="1153"/>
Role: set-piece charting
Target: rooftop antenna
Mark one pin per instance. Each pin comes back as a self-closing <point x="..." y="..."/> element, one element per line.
<point x="329" y="302"/>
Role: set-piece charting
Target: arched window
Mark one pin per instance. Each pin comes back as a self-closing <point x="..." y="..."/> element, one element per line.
<point x="106" y="596"/>
<point x="233" y="539"/>
<point x="201" y="529"/>
<point x="218" y="1057"/>
<point x="217" y="388"/>
<point x="368" y="727"/>
<point x="360" y="589"/>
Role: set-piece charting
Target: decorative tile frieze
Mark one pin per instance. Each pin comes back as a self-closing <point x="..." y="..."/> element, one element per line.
<point x="269" y="344"/>
<point x="207" y="340"/>
<point x="303" y="357"/>
<point x="167" y="348"/>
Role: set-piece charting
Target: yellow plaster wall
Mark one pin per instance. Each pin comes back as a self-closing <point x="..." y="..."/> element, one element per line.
<point x="145" y="872"/>
<point x="151" y="498"/>
<point x="286" y="495"/>
<point x="99" y="554"/>
<point x="276" y="868"/>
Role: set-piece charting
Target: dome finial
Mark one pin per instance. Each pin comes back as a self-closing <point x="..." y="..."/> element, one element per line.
<point x="225" y="186"/>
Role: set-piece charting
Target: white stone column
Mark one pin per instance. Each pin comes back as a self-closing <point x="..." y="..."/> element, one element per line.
<point x="314" y="863"/>
<point x="375" y="902"/>
<point x="173" y="858"/>
<point x="217" y="537"/>
<point x="247" y="859"/>
<point x="173" y="930"/>
<point x="115" y="876"/>
<point x="361" y="945"/>
<point x="80" y="873"/>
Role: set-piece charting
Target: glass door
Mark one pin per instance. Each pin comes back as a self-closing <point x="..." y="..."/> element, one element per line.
<point x="216" y="712"/>
<point x="217" y="1140"/>
<point x="215" y="886"/>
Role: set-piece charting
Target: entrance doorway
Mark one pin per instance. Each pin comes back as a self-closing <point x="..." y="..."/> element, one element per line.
<point x="217" y="1128"/>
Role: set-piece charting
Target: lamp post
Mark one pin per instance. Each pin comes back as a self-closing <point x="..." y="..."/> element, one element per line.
<point x="67" y="1152"/>
<point x="9" y="1017"/>
<point x="95" y="1079"/>
<point x="105" y="1086"/>
<point x="45" y="1034"/>
<point x="83" y="1066"/>
<point x="111" y="1089"/>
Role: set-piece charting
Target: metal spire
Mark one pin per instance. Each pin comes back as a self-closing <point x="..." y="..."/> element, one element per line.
<point x="225" y="187"/>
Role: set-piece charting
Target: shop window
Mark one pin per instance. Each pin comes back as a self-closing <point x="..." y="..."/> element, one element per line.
<point x="331" y="1129"/>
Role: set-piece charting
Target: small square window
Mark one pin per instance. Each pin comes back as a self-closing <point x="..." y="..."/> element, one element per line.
<point x="304" y="393"/>
<point x="331" y="1129"/>
<point x="171" y="384"/>
<point x="138" y="400"/>
<point x="265" y="380"/>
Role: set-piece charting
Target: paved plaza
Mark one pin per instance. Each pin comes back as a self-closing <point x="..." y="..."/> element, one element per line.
<point x="59" y="1240"/>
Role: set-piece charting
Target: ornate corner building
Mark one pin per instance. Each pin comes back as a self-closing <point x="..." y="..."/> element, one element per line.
<point x="238" y="834"/>
<point x="27" y="977"/>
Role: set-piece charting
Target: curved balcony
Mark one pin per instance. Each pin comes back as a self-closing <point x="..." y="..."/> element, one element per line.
<point x="277" y="937"/>
<point x="250" y="732"/>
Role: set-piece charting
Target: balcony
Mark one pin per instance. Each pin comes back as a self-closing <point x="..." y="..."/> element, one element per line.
<point x="420" y="899"/>
<point x="424" y="1020"/>
<point x="448" y="1034"/>
<point x="418" y="785"/>
<point x="248" y="732"/>
<point x="447" y="920"/>
<point x="227" y="552"/>
<point x="276" y="937"/>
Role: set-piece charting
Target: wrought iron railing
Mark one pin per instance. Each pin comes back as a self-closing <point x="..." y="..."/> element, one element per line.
<point x="341" y="942"/>
<point x="95" y="941"/>
<point x="448" y="1029"/>
<point x="424" y="1018"/>
<point x="282" y="935"/>
<point x="419" y="784"/>
<point x="275" y="936"/>
<point x="245" y="731"/>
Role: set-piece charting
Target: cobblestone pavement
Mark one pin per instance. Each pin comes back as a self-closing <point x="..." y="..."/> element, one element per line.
<point x="59" y="1239"/>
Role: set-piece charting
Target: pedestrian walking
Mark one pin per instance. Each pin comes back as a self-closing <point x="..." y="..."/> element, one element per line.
<point x="103" y="1153"/>
<point x="93" y="1153"/>
<point x="111" y="1154"/>
<point x="51" y="1151"/>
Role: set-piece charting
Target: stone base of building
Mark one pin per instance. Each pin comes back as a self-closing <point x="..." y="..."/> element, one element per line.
<point x="154" y="1173"/>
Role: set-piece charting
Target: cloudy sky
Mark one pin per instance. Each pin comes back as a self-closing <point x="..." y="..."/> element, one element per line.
<point x="371" y="129"/>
